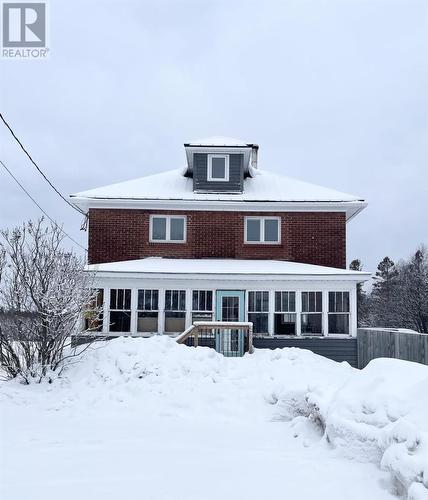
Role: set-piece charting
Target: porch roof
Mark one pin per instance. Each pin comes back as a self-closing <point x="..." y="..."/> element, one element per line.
<point x="221" y="267"/>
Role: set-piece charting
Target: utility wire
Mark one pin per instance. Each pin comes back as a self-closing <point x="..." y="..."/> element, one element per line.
<point x="39" y="169"/>
<point x="40" y="208"/>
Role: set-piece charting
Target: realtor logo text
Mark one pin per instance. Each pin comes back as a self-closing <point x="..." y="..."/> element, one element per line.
<point x="24" y="30"/>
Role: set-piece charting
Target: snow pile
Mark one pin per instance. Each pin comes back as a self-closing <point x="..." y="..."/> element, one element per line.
<point x="381" y="415"/>
<point x="133" y="395"/>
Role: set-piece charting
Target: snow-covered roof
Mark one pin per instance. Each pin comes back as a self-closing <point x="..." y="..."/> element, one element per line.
<point x="173" y="185"/>
<point x="219" y="141"/>
<point x="159" y="265"/>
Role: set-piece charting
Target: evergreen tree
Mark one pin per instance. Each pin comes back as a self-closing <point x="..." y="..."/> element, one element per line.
<point x="414" y="292"/>
<point x="385" y="294"/>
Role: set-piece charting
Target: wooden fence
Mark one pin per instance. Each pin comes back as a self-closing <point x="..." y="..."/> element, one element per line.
<point x="391" y="343"/>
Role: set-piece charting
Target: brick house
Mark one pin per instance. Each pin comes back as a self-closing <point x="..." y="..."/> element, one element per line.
<point x="224" y="240"/>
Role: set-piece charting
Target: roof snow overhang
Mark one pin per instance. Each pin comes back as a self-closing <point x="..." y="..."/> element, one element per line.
<point x="351" y="208"/>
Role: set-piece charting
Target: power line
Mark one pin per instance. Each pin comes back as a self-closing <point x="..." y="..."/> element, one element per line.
<point x="40" y="208"/>
<point x="39" y="169"/>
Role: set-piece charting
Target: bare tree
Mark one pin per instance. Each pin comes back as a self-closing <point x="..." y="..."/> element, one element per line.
<point x="44" y="293"/>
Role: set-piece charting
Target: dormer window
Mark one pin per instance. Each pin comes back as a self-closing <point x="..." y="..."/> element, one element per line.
<point x="218" y="168"/>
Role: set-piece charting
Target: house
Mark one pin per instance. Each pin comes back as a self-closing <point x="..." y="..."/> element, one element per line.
<point x="223" y="240"/>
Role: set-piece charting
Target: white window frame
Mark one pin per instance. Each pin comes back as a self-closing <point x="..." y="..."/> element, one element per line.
<point x="200" y="311"/>
<point x="168" y="228"/>
<point x="116" y="309"/>
<point x="322" y="312"/>
<point x="210" y="178"/>
<point x="262" y="231"/>
<point x="347" y="313"/>
<point x="248" y="312"/>
<point x="143" y="309"/>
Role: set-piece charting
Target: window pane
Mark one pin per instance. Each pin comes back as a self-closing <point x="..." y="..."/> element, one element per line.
<point x="195" y="300"/>
<point x="265" y="303"/>
<point x="260" y="322"/>
<point x="182" y="302"/>
<point x="253" y="230"/>
<point x="174" y="300"/>
<point x="305" y="301"/>
<point x="332" y="301"/>
<point x="338" y="323"/>
<point x="147" y="322"/>
<point x="251" y="301"/>
<point x="168" y="301"/>
<point x="318" y="299"/>
<point x="155" y="299"/>
<point x="209" y="301"/>
<point x="258" y="301"/>
<point x="278" y="296"/>
<point x="285" y="324"/>
<point x="271" y="230"/>
<point x="113" y="298"/>
<point x="159" y="228"/>
<point x="127" y="301"/>
<point x="218" y="168"/>
<point x="291" y="301"/>
<point x="175" y="322"/>
<point x="120" y="321"/>
<point x="177" y="229"/>
<point x="312" y="324"/>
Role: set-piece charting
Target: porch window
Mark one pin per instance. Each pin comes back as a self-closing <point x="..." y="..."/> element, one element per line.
<point x="312" y="313"/>
<point x="168" y="228"/>
<point x="175" y="311"/>
<point x="285" y="313"/>
<point x="218" y="168"/>
<point x="202" y="305"/>
<point x="258" y="311"/>
<point x="338" y="312"/>
<point x="147" y="311"/>
<point x="93" y="314"/>
<point x="120" y="310"/>
<point x="262" y="230"/>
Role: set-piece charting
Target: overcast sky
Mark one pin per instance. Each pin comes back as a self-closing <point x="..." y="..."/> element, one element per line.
<point x="334" y="92"/>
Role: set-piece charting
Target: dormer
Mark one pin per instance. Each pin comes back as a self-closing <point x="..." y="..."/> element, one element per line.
<point x="220" y="164"/>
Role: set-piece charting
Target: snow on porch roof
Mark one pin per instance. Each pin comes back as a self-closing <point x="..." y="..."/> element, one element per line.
<point x="173" y="185"/>
<point x="159" y="265"/>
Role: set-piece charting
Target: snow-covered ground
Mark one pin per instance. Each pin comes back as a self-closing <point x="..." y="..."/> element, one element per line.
<point x="150" y="419"/>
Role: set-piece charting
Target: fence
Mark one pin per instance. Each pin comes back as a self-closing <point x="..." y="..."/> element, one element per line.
<point x="231" y="339"/>
<point x="391" y="343"/>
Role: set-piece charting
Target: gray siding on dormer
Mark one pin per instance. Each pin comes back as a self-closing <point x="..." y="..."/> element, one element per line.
<point x="200" y="171"/>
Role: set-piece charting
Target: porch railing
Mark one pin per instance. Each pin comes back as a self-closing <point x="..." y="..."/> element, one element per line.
<point x="230" y="338"/>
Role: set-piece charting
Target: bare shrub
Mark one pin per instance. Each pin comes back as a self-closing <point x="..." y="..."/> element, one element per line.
<point x="44" y="293"/>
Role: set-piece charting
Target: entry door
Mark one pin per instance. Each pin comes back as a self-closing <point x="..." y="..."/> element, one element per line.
<point x="230" y="306"/>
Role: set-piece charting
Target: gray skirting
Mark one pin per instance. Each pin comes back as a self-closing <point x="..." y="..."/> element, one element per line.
<point x="332" y="348"/>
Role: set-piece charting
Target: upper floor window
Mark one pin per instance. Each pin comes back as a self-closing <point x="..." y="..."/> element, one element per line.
<point x="218" y="168"/>
<point x="168" y="228"/>
<point x="262" y="230"/>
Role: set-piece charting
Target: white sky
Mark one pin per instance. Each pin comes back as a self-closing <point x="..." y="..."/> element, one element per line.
<point x="335" y="93"/>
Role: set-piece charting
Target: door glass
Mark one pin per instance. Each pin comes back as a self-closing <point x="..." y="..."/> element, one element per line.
<point x="230" y="309"/>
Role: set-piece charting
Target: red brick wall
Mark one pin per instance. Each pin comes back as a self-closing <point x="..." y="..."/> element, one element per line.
<point x="309" y="237"/>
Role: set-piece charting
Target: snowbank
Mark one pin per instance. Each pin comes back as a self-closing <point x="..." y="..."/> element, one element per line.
<point x="378" y="415"/>
<point x="381" y="415"/>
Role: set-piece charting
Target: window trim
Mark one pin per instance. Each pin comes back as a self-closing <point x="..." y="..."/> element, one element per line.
<point x="309" y="313"/>
<point x="168" y="228"/>
<point x="210" y="178"/>
<point x="339" y="313"/>
<point x="262" y="230"/>
<point x="115" y="309"/>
